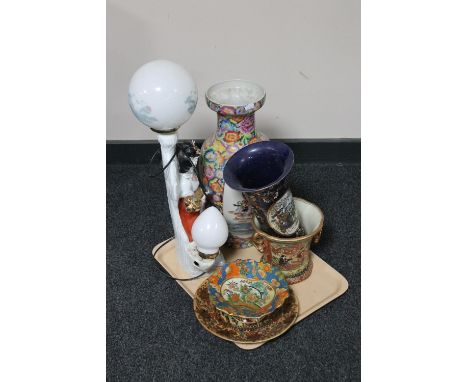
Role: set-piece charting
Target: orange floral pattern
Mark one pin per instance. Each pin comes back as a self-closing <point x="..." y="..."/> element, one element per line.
<point x="231" y="136"/>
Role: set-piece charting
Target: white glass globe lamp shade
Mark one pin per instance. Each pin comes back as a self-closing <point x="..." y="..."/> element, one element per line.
<point x="162" y="95"/>
<point x="210" y="231"/>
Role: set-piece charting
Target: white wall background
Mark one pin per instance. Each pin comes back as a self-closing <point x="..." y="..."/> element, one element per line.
<point x="306" y="54"/>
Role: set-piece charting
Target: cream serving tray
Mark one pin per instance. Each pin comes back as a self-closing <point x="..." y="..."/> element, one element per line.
<point x="324" y="284"/>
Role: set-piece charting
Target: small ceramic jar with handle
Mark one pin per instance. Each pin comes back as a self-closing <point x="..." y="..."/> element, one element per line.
<point x="292" y="255"/>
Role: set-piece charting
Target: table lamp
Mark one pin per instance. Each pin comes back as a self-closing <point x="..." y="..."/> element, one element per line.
<point x="163" y="96"/>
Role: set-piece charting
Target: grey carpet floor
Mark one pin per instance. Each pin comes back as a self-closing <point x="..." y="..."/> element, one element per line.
<point x="152" y="333"/>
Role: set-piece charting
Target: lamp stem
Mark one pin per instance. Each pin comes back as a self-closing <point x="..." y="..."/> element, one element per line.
<point x="171" y="175"/>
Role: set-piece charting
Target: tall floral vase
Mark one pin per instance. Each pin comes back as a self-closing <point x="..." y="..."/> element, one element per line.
<point x="235" y="102"/>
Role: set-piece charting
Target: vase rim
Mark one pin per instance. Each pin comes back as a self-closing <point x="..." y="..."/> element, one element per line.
<point x="303" y="204"/>
<point x="235" y="163"/>
<point x="236" y="96"/>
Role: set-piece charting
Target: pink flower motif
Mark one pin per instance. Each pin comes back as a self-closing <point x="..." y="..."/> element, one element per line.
<point x="209" y="172"/>
<point x="247" y="124"/>
<point x="227" y="110"/>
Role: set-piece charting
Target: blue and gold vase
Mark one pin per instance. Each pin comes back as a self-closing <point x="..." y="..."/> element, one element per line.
<point x="235" y="102"/>
<point x="260" y="172"/>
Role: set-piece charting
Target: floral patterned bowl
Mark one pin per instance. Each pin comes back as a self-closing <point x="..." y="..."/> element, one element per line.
<point x="245" y="291"/>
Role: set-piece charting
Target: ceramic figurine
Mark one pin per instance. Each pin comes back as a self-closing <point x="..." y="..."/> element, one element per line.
<point x="292" y="255"/>
<point x="235" y="103"/>
<point x="259" y="171"/>
<point x="191" y="195"/>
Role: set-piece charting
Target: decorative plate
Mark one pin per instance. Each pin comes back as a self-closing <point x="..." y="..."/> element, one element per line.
<point x="247" y="289"/>
<point x="272" y="326"/>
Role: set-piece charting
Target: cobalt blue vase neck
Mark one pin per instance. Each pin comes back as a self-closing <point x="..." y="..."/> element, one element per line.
<point x="259" y="171"/>
<point x="258" y="166"/>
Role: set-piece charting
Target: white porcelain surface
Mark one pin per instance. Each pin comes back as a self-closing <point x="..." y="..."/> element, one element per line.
<point x="238" y="216"/>
<point x="162" y="95"/>
<point x="210" y="231"/>
<point x="202" y="264"/>
<point x="171" y="176"/>
<point x="310" y="215"/>
<point x="235" y="93"/>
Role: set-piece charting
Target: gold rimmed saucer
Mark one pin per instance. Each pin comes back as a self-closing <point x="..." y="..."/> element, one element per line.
<point x="272" y="326"/>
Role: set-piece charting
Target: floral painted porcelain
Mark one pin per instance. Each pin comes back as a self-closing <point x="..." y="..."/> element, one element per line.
<point x="273" y="325"/>
<point x="292" y="255"/>
<point x="235" y="102"/>
<point x="260" y="172"/>
<point x="247" y="290"/>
